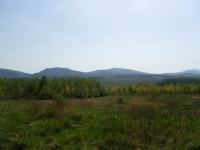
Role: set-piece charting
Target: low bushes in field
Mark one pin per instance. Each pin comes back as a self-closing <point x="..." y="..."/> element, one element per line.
<point x="142" y="122"/>
<point x="51" y="109"/>
<point x="120" y="100"/>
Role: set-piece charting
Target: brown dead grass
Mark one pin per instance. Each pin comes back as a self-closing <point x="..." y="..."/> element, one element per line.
<point x="46" y="102"/>
<point x="128" y="101"/>
<point x="195" y="97"/>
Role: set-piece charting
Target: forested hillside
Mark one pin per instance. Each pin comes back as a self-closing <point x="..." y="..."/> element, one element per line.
<point x="12" y="74"/>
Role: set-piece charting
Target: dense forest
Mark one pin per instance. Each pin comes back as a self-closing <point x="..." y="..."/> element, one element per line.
<point x="180" y="80"/>
<point x="79" y="87"/>
<point x="45" y="88"/>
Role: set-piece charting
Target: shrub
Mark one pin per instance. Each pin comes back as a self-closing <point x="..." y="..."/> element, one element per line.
<point x="120" y="100"/>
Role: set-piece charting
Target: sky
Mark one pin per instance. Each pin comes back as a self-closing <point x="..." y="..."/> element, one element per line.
<point x="154" y="36"/>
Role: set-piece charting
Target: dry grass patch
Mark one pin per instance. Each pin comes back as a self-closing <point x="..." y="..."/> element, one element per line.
<point x="195" y="97"/>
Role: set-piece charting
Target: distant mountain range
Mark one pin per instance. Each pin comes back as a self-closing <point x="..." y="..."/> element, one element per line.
<point x="58" y="72"/>
<point x="113" y="72"/>
<point x="13" y="74"/>
<point x="65" y="72"/>
<point x="185" y="73"/>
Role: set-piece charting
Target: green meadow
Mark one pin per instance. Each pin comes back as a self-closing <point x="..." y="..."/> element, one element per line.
<point x="122" y="121"/>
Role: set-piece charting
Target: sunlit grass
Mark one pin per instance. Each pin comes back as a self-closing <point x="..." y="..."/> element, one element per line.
<point x="139" y="122"/>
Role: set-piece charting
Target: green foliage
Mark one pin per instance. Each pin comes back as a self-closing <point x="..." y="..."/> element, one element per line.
<point x="69" y="91"/>
<point x="129" y="80"/>
<point x="80" y="87"/>
<point x="179" y="80"/>
<point x="39" y="125"/>
<point x="193" y="146"/>
<point x="103" y="91"/>
<point x="59" y="97"/>
<point x="3" y="88"/>
<point x="198" y="88"/>
<point x="43" y="82"/>
<point x="121" y="127"/>
<point x="45" y="88"/>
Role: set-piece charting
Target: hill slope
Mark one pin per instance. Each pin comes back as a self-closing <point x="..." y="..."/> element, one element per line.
<point x="58" y="72"/>
<point x="65" y="72"/>
<point x="114" y="72"/>
<point x="193" y="71"/>
<point x="13" y="74"/>
<point x="185" y="73"/>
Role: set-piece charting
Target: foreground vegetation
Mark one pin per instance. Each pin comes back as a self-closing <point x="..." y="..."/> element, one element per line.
<point x="114" y="122"/>
<point x="78" y="87"/>
<point x="80" y="113"/>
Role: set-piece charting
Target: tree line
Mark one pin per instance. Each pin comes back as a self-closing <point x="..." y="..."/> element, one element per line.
<point x="154" y="89"/>
<point x="179" y="80"/>
<point x="45" y="88"/>
<point x="80" y="87"/>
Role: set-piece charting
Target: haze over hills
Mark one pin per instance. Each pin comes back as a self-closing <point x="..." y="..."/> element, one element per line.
<point x="113" y="72"/>
<point x="65" y="72"/>
<point x="186" y="72"/>
<point x="13" y="74"/>
<point x="58" y="72"/>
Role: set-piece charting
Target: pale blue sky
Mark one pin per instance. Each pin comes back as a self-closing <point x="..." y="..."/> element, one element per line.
<point x="154" y="36"/>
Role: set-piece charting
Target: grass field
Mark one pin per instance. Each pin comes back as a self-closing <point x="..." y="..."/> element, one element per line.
<point x="113" y="122"/>
<point x="126" y="81"/>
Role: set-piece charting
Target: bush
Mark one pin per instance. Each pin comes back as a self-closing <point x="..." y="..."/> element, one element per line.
<point x="120" y="100"/>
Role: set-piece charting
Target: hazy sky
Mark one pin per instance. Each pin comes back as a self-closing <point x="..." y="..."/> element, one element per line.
<point x="154" y="36"/>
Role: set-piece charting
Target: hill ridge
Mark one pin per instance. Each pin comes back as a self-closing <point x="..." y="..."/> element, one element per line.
<point x="66" y="72"/>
